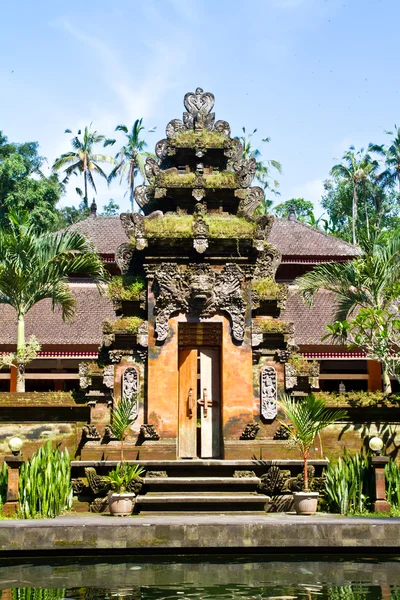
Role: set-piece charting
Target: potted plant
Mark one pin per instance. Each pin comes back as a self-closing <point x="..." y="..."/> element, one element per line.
<point x="306" y="419"/>
<point x="122" y="496"/>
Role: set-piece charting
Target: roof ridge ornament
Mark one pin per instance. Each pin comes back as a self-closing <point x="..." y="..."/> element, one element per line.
<point x="199" y="106"/>
<point x="292" y="212"/>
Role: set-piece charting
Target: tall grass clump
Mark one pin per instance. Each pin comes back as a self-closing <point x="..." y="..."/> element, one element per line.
<point x="45" y="488"/>
<point x="348" y="485"/>
<point x="392" y="473"/>
<point x="3" y="483"/>
<point x="38" y="593"/>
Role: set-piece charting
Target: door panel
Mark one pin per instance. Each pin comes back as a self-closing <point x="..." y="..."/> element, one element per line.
<point x="210" y="402"/>
<point x="187" y="445"/>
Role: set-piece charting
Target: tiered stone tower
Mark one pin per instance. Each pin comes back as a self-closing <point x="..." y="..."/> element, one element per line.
<point x="202" y="345"/>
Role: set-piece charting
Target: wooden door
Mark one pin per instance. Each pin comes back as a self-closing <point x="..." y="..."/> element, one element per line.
<point x="187" y="420"/>
<point x="209" y="401"/>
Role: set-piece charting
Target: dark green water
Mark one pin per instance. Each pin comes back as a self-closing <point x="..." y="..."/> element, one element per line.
<point x="220" y="578"/>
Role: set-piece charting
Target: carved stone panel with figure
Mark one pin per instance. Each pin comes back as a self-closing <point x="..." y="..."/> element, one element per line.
<point x="268" y="393"/>
<point x="130" y="387"/>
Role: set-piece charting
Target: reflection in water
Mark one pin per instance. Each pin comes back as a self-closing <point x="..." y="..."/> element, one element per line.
<point x="243" y="579"/>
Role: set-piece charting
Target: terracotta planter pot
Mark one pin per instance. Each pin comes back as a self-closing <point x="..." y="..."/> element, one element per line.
<point x="305" y="503"/>
<point x="121" y="505"/>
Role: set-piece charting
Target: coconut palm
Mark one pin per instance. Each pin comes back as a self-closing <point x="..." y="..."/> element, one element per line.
<point x="36" y="266"/>
<point x="123" y="416"/>
<point x="391" y="155"/>
<point x="357" y="168"/>
<point x="306" y="419"/>
<point x="370" y="281"/>
<point x="263" y="166"/>
<point x="84" y="160"/>
<point x="131" y="158"/>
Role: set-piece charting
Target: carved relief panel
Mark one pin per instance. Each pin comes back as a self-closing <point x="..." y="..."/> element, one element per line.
<point x="268" y="393"/>
<point x="130" y="387"/>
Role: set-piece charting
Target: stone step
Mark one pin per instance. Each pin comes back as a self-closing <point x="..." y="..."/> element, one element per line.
<point x="242" y="481"/>
<point x="221" y="501"/>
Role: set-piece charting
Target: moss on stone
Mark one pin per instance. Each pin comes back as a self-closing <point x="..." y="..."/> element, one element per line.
<point x="302" y="365"/>
<point x="127" y="325"/>
<point x="169" y="226"/>
<point x="221" y="179"/>
<point x="175" y="179"/>
<point x="360" y="399"/>
<point x="230" y="226"/>
<point x="205" y="138"/>
<point x="273" y="325"/>
<point x="125" y="287"/>
<point x="267" y="289"/>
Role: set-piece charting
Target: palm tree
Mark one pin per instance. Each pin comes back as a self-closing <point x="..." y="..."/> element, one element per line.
<point x="82" y="159"/>
<point x="307" y="418"/>
<point x="263" y="166"/>
<point x="391" y="155"/>
<point x="357" y="168"/>
<point x="370" y="281"/>
<point x="131" y="158"/>
<point x="35" y="266"/>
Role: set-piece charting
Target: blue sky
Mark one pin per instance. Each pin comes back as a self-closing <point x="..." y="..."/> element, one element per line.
<point x="314" y="75"/>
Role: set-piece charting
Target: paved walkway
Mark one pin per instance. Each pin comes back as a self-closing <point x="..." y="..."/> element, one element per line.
<point x="191" y="533"/>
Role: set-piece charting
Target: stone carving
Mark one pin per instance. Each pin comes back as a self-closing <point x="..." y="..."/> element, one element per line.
<point x="257" y="338"/>
<point x="98" y="505"/>
<point x="162" y="149"/>
<point x="90" y="433"/>
<point x="161" y="474"/>
<point x="148" y="432"/>
<point x="143" y="334"/>
<point x="250" y="200"/>
<point x="245" y="171"/>
<point x="242" y="474"/>
<point x="271" y="483"/>
<point x="250" y="431"/>
<point x="108" y="434"/>
<point x="199" y="106"/>
<point x="123" y="257"/>
<point x="151" y="169"/>
<point x="84" y="380"/>
<point x="200" y="229"/>
<point x="108" y="376"/>
<point x="282" y="433"/>
<point x="198" y="194"/>
<point x="198" y="290"/>
<point x="78" y="485"/>
<point x="142" y="195"/>
<point x="127" y="224"/>
<point x="290" y="376"/>
<point x="223" y="128"/>
<point x="98" y="484"/>
<point x="174" y="127"/>
<point x="130" y="388"/>
<point x="267" y="262"/>
<point x="233" y="152"/>
<point x="268" y="393"/>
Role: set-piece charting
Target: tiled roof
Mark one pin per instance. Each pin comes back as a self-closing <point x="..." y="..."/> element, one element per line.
<point x="292" y="238"/>
<point x="297" y="239"/>
<point x="86" y="327"/>
<point x="310" y="323"/>
<point x="106" y="233"/>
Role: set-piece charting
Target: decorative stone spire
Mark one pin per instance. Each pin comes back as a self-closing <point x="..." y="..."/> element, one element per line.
<point x="292" y="213"/>
<point x="93" y="209"/>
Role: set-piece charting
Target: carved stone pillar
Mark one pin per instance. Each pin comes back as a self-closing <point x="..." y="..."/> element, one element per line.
<point x="378" y="464"/>
<point x="11" y="504"/>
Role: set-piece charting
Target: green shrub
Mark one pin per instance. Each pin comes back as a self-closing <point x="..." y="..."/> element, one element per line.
<point x="230" y="226"/>
<point x="122" y="325"/>
<point x="45" y="488"/>
<point x="31" y="593"/>
<point x="392" y="473"/>
<point x="360" y="398"/>
<point x="3" y="483"/>
<point x="125" y="287"/>
<point x="303" y="366"/>
<point x="120" y="478"/>
<point x="348" y="484"/>
<point x="169" y="226"/>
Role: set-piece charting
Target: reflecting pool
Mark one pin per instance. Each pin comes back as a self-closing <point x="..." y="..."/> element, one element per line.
<point x="219" y="577"/>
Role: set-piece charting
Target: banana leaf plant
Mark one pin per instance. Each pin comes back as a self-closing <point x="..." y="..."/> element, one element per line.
<point x="306" y="418"/>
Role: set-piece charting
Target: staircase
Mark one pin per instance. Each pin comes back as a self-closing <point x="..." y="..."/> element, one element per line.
<point x="200" y="486"/>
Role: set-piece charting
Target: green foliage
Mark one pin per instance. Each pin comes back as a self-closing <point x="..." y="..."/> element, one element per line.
<point x="31" y="593"/>
<point x="123" y="417"/>
<point x="169" y="226"/>
<point x="273" y="325"/>
<point x="121" y="477"/>
<point x="203" y="138"/>
<point x="302" y="365"/>
<point x="348" y="484"/>
<point x="304" y="209"/>
<point x="25" y="354"/>
<point x="45" y="488"/>
<point x="361" y="399"/>
<point x="111" y="209"/>
<point x="230" y="226"/>
<point x="3" y="483"/>
<point x="125" y="287"/>
<point x="392" y="474"/>
<point x="122" y="325"/>
<point x="308" y="417"/>
<point x="174" y="179"/>
<point x="221" y="179"/>
<point x="268" y="289"/>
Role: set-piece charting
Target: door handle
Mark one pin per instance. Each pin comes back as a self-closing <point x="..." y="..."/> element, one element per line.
<point x="205" y="402"/>
<point x="190" y="403"/>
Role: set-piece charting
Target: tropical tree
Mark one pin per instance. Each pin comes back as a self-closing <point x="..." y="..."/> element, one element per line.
<point x="371" y="281"/>
<point x="357" y="169"/>
<point x="263" y="167"/>
<point x="306" y="419"/>
<point x="131" y="158"/>
<point x="35" y="266"/>
<point x="391" y="155"/>
<point x="304" y="209"/>
<point x="84" y="160"/>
